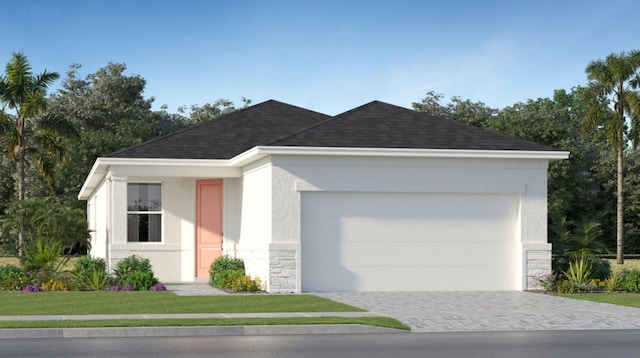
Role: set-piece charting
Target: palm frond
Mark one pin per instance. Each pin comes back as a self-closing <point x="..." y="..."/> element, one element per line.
<point x="46" y="168"/>
<point x="632" y="99"/>
<point x="58" y="126"/>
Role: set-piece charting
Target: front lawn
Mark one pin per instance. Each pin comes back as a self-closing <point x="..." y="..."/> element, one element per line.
<point x="621" y="299"/>
<point x="139" y="302"/>
<point x="371" y="321"/>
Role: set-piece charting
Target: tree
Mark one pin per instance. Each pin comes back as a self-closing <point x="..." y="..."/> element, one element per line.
<point x="465" y="111"/>
<point x="30" y="134"/>
<point x="614" y="80"/>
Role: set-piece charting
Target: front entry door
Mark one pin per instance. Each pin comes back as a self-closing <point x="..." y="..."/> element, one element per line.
<point x="208" y="224"/>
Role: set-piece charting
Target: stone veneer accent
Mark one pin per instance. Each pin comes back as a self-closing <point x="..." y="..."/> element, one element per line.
<point x="283" y="277"/>
<point x="537" y="264"/>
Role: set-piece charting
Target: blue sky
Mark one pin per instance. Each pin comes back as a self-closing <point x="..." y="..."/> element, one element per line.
<point x="328" y="56"/>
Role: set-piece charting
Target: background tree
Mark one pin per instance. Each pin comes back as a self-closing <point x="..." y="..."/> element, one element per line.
<point x="614" y="80"/>
<point x="30" y="134"/>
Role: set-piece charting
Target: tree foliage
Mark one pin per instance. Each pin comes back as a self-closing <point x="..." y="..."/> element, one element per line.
<point x="614" y="81"/>
<point x="30" y="134"/>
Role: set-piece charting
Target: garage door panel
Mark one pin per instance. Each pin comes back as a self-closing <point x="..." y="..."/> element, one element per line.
<point x="410" y="254"/>
<point x="421" y="279"/>
<point x="391" y="241"/>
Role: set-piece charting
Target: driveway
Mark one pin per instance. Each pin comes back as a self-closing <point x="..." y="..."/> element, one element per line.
<point x="490" y="311"/>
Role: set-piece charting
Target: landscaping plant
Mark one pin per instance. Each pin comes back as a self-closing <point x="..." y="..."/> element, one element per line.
<point x="135" y="271"/>
<point x="91" y="273"/>
<point x="228" y="272"/>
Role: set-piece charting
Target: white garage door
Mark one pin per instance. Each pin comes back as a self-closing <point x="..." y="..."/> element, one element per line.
<point x="409" y="242"/>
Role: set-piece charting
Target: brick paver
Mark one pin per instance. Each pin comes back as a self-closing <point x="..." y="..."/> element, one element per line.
<point x="490" y="311"/>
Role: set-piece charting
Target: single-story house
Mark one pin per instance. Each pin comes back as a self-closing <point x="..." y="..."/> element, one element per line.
<point x="377" y="198"/>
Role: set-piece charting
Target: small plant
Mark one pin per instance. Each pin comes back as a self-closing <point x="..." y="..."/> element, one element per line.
<point x="45" y="255"/>
<point x="632" y="281"/>
<point x="157" y="287"/>
<point x="31" y="288"/>
<point x="613" y="283"/>
<point x="549" y="282"/>
<point x="567" y="286"/>
<point x="54" y="285"/>
<point x="122" y="288"/>
<point x="91" y="273"/>
<point x="579" y="271"/>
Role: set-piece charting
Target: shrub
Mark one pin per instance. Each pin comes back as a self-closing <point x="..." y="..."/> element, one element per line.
<point x="140" y="280"/>
<point x="12" y="278"/>
<point x="224" y="264"/>
<point x="136" y="272"/>
<point x="91" y="273"/>
<point x="133" y="263"/>
<point x="632" y="281"/>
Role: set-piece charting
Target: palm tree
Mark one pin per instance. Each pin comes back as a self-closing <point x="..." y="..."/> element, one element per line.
<point x="29" y="134"/>
<point x="614" y="80"/>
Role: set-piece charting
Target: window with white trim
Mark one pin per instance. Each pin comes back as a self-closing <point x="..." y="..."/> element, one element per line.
<point x="144" y="212"/>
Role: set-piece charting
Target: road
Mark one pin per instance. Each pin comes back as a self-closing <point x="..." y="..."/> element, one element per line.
<point x="608" y="343"/>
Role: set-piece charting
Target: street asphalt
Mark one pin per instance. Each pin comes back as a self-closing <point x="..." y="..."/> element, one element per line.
<point x="422" y="311"/>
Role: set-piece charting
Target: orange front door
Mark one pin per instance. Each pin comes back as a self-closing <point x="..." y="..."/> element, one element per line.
<point x="208" y="224"/>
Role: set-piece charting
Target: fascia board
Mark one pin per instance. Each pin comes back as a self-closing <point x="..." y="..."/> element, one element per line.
<point x="102" y="165"/>
<point x="259" y="152"/>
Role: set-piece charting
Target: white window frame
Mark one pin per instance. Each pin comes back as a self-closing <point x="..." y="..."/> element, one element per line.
<point x="137" y="212"/>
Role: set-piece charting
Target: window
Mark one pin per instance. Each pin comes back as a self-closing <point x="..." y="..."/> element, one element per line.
<point x="144" y="212"/>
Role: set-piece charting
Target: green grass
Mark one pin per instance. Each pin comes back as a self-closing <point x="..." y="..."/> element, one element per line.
<point x="140" y="302"/>
<point x="371" y="321"/>
<point x="621" y="299"/>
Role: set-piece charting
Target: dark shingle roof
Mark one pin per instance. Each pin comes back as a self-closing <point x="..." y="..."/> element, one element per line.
<point x="273" y="123"/>
<point x="228" y="135"/>
<point x="382" y="125"/>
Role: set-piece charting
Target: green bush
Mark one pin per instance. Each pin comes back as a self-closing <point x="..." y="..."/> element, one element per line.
<point x="90" y="273"/>
<point x="228" y="272"/>
<point x="140" y="280"/>
<point x="632" y="281"/>
<point x="224" y="264"/>
<point x="12" y="278"/>
<point x="133" y="263"/>
<point x="135" y="271"/>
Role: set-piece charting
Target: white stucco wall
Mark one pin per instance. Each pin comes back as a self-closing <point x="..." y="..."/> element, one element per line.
<point x="256" y="221"/>
<point x="97" y="216"/>
<point x="291" y="175"/>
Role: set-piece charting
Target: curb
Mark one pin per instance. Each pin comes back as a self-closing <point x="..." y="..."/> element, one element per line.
<point x="194" y="331"/>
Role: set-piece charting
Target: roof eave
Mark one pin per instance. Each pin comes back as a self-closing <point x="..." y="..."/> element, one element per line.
<point x="103" y="164"/>
<point x="262" y="151"/>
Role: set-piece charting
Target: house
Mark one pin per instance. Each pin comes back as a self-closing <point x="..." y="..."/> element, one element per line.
<point x="378" y="198"/>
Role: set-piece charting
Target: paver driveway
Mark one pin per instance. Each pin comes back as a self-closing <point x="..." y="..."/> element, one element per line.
<point x="490" y="311"/>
